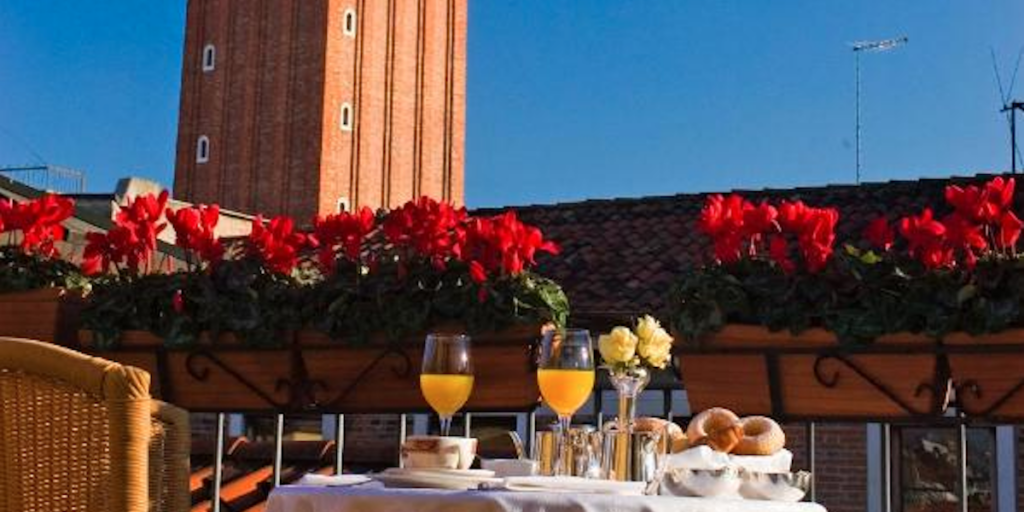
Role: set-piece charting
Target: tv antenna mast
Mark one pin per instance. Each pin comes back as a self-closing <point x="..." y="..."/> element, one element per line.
<point x="859" y="47"/>
<point x="1010" y="107"/>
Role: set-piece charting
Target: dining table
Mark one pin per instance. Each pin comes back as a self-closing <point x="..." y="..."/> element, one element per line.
<point x="374" y="497"/>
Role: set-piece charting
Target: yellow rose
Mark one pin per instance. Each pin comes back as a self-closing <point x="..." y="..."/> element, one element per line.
<point x="646" y="326"/>
<point x="655" y="345"/>
<point x="618" y="346"/>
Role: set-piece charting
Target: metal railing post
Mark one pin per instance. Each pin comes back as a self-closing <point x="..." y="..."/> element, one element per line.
<point x="401" y="437"/>
<point x="339" y="442"/>
<point x="886" y="467"/>
<point x="962" y="468"/>
<point x="278" y="445"/>
<point x="218" y="461"/>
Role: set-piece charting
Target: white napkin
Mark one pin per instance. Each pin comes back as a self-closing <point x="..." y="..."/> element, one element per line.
<point x="313" y="479"/>
<point x="699" y="457"/>
<point x="780" y="462"/>
<point x="703" y="457"/>
<point x="572" y="484"/>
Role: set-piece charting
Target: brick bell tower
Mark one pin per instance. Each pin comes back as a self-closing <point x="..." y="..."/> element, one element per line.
<point x="308" y="106"/>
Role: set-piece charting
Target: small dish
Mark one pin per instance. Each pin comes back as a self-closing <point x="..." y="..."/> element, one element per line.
<point x="505" y="468"/>
<point x="452" y="479"/>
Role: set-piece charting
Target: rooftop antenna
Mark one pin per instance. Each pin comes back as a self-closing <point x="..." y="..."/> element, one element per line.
<point x="1010" y="107"/>
<point x="858" y="48"/>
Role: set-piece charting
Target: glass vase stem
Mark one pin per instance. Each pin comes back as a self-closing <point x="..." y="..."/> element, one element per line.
<point x="627" y="411"/>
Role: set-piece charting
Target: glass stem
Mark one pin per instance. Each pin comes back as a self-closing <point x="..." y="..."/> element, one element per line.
<point x="446" y="425"/>
<point x="564" y="460"/>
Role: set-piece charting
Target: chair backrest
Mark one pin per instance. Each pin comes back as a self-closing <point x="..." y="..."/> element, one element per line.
<point x="169" y="467"/>
<point x="74" y="431"/>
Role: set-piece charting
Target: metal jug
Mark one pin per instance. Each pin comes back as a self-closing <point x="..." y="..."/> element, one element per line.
<point x="581" y="455"/>
<point x="633" y="456"/>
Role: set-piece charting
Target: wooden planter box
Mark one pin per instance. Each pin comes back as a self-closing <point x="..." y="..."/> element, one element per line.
<point x="316" y="374"/>
<point x="811" y="377"/>
<point x="49" y="314"/>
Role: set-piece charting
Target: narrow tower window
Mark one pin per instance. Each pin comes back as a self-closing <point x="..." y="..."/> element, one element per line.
<point x="349" y="20"/>
<point x="343" y="204"/>
<point x="203" y="149"/>
<point x="346" y="117"/>
<point x="209" y="58"/>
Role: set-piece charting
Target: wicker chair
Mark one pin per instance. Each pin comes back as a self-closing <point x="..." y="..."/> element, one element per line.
<point x="169" y="465"/>
<point x="76" y="433"/>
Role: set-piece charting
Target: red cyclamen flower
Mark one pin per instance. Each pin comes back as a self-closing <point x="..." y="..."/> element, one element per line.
<point x="40" y="222"/>
<point x="342" y="232"/>
<point x="501" y="245"/>
<point x="195" y="230"/>
<point x="276" y="245"/>
<point x="132" y="239"/>
<point x="879" y="234"/>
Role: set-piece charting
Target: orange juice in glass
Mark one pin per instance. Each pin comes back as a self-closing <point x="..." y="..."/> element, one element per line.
<point x="565" y="376"/>
<point x="446" y="378"/>
<point x="565" y="391"/>
<point x="446" y="394"/>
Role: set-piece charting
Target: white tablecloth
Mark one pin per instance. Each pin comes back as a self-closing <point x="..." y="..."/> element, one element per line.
<point x="373" y="498"/>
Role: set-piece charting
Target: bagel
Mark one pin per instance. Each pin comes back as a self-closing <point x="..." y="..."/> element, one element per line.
<point x="761" y="436"/>
<point x="677" y="439"/>
<point x="717" y="427"/>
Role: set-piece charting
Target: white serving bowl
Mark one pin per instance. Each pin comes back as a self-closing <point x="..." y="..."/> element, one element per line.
<point x="789" y="487"/>
<point x="705" y="483"/>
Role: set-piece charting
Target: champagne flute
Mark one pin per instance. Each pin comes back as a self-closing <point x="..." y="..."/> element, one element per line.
<point x="446" y="378"/>
<point x="566" y="378"/>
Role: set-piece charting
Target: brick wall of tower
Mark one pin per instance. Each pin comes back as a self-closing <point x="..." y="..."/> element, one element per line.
<point x="271" y="108"/>
<point x="407" y="86"/>
<point x="260" y="107"/>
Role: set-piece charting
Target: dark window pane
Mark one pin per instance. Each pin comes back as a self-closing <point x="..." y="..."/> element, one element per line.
<point x="929" y="469"/>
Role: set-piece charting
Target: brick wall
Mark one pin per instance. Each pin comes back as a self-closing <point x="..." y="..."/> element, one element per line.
<point x="840" y="463"/>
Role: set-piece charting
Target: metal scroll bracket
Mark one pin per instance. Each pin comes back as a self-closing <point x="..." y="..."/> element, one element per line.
<point x="201" y="372"/>
<point x="832" y="379"/>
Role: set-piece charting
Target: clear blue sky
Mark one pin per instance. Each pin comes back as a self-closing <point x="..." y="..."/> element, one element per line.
<point x="577" y="99"/>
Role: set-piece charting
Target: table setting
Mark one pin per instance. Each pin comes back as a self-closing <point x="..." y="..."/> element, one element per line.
<point x="720" y="462"/>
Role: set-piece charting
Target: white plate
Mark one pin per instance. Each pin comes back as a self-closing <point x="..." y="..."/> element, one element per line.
<point x="452" y="479"/>
<point x="459" y="473"/>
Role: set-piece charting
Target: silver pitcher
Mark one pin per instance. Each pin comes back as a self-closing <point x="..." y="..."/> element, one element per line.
<point x="581" y="455"/>
<point x="633" y="456"/>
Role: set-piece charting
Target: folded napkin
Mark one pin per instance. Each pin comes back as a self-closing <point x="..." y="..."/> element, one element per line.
<point x="779" y="462"/>
<point x="313" y="479"/>
<point x="699" y="457"/>
<point x="572" y="484"/>
<point x="704" y="458"/>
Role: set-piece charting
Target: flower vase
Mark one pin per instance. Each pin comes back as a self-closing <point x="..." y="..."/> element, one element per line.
<point x="619" y="461"/>
<point x="628" y="383"/>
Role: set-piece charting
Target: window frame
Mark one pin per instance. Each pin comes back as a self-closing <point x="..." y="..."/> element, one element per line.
<point x="202" y="149"/>
<point x="346" y="117"/>
<point x="209" y="58"/>
<point x="349" y="22"/>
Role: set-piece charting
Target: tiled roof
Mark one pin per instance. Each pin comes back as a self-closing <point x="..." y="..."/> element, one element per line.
<point x="247" y="473"/>
<point x="620" y="256"/>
